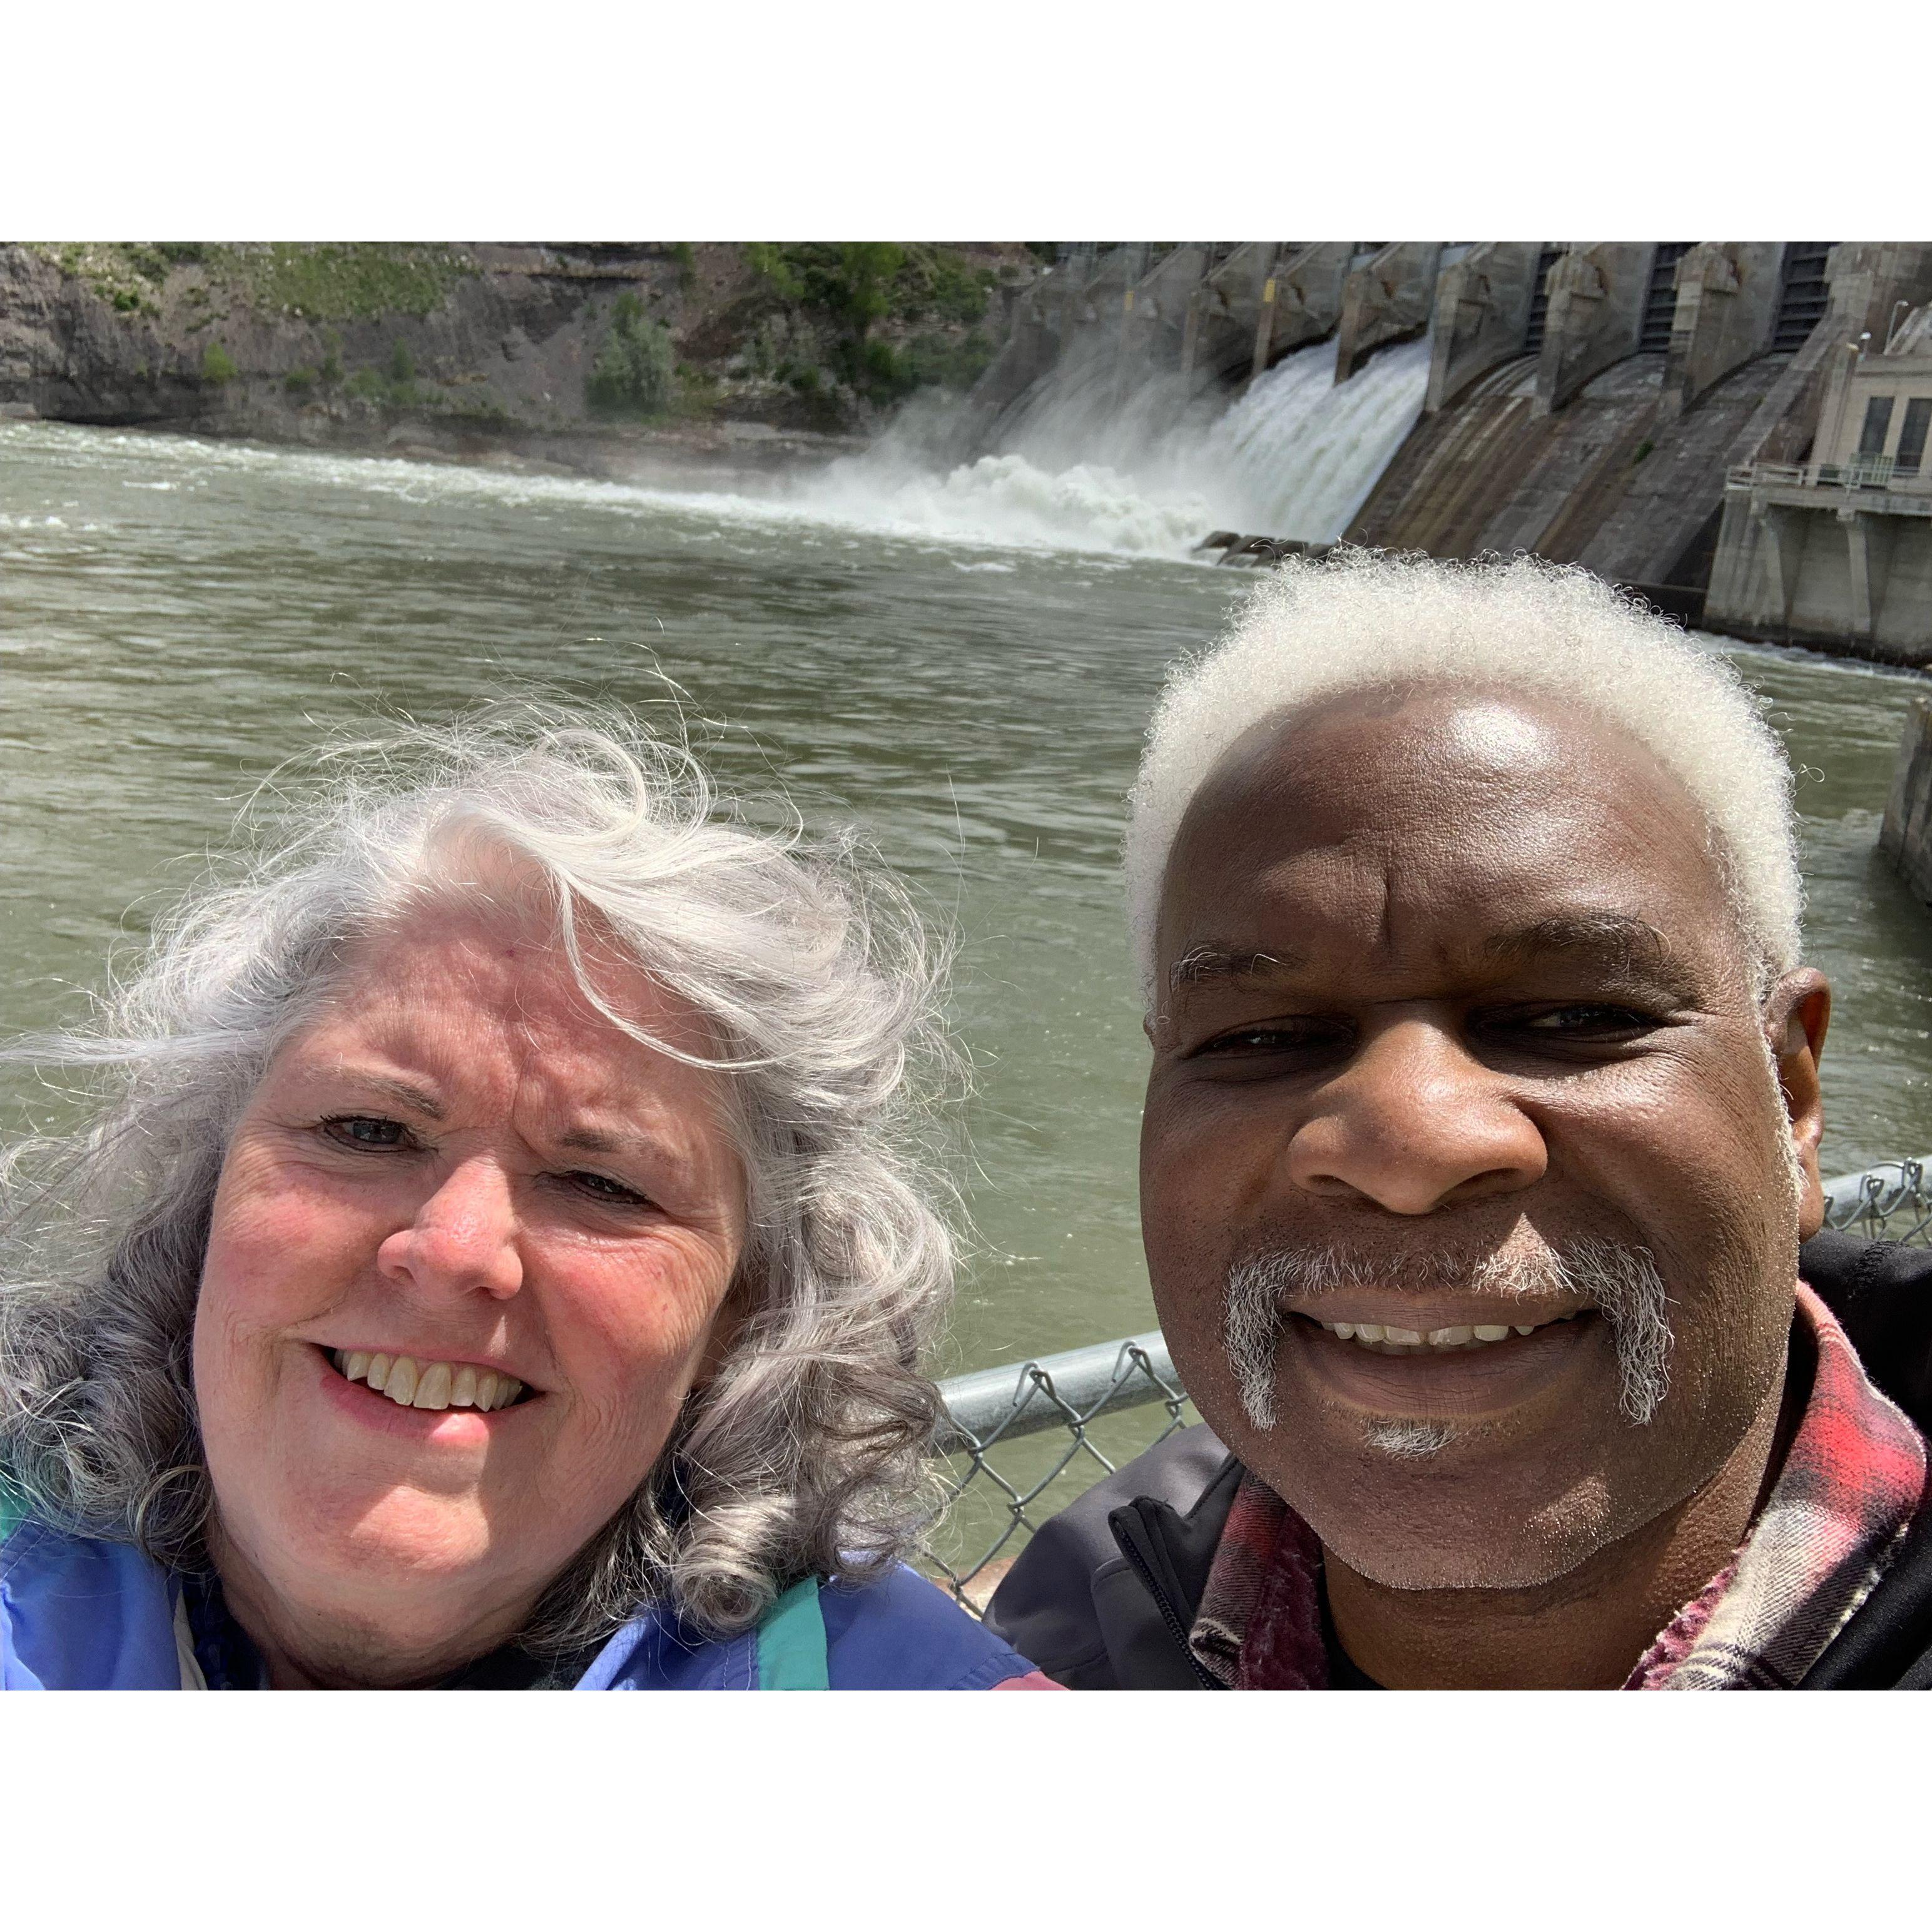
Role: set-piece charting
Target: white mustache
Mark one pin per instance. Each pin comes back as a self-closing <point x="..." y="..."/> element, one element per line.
<point x="1617" y="1278"/>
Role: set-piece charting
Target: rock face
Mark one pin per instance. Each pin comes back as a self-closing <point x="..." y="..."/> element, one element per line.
<point x="451" y="347"/>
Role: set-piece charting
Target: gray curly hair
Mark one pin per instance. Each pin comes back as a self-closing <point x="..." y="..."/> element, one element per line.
<point x="805" y="1453"/>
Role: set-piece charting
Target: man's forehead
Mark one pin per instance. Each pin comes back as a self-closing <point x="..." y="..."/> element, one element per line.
<point x="1488" y="821"/>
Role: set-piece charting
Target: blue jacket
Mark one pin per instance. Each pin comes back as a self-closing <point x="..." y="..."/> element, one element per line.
<point x="79" y="1614"/>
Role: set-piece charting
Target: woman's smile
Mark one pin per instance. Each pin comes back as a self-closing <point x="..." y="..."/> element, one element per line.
<point x="449" y="1425"/>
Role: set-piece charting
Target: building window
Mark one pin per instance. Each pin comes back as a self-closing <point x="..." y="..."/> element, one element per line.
<point x="1878" y="420"/>
<point x="1912" y="437"/>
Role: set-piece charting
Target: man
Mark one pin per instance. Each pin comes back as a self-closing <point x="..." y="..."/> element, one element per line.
<point x="1481" y="1137"/>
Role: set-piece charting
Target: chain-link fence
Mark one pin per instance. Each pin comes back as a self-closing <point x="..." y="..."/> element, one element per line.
<point x="1022" y="1441"/>
<point x="1886" y="1203"/>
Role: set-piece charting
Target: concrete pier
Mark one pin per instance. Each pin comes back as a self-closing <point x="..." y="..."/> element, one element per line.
<point x="1301" y="302"/>
<point x="1596" y="292"/>
<point x="1905" y="837"/>
<point x="1155" y="310"/>
<point x="1225" y="313"/>
<point x="1482" y="305"/>
<point x="1726" y="313"/>
<point x="1387" y="299"/>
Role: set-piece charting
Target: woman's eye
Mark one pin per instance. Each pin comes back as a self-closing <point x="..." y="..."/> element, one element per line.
<point x="365" y="1130"/>
<point x="601" y="1187"/>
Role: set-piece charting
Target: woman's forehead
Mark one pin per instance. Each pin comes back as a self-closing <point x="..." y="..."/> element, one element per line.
<point x="460" y="975"/>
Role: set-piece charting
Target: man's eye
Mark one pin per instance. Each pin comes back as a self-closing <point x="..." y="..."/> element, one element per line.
<point x="365" y="1130"/>
<point x="1589" y="1021"/>
<point x="1275" y="1036"/>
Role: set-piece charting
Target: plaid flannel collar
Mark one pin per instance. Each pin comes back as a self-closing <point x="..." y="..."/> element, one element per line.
<point x="1851" y="1482"/>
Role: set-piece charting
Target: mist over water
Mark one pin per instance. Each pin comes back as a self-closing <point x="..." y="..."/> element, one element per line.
<point x="178" y="616"/>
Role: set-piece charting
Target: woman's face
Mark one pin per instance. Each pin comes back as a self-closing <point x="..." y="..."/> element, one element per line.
<point x="461" y="1163"/>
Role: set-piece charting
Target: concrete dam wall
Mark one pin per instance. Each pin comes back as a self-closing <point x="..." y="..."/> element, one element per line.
<point x="1592" y="402"/>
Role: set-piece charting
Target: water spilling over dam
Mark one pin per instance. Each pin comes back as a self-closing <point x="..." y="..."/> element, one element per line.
<point x="1085" y="460"/>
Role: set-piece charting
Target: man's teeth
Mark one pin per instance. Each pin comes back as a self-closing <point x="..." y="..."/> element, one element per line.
<point x="1379" y="1335"/>
<point x="412" y="1384"/>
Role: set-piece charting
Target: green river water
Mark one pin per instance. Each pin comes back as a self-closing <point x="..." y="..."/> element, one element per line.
<point x="177" y="616"/>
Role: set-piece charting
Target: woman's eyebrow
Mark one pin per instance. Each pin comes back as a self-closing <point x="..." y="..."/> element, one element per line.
<point x="637" y="1142"/>
<point x="419" y="1100"/>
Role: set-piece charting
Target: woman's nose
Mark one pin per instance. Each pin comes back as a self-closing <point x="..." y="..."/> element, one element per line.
<point x="1413" y="1122"/>
<point x="463" y="1237"/>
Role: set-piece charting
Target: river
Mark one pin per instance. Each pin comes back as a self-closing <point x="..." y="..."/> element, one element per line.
<point x="963" y="667"/>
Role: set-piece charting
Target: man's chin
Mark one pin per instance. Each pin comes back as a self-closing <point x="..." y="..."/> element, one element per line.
<point x="1406" y="1563"/>
<point x="1420" y="1506"/>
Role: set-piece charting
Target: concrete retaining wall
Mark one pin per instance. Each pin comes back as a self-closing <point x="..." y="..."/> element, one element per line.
<point x="1848" y="581"/>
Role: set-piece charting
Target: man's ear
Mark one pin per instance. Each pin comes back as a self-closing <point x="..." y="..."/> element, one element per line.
<point x="1796" y="1018"/>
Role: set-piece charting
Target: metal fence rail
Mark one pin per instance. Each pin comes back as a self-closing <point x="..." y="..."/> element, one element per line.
<point x="1021" y="1440"/>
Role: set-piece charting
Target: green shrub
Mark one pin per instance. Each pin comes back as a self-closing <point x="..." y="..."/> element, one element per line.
<point x="635" y="372"/>
<point x="217" y="366"/>
<point x="299" y="381"/>
<point x="379" y="386"/>
<point x="955" y="291"/>
<point x="127" y="300"/>
<point x="330" y="371"/>
<point x="856" y="284"/>
<point x="685" y="256"/>
<point x="344" y="281"/>
<point x="402" y="364"/>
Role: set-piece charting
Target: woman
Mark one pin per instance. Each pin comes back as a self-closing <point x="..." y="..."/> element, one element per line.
<point x="496" y="1259"/>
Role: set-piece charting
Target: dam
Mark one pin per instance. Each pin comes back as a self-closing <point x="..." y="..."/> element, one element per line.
<point x="1601" y="403"/>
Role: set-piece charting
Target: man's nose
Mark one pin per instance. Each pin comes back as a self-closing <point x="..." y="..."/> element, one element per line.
<point x="463" y="1238"/>
<point x="1413" y="1122"/>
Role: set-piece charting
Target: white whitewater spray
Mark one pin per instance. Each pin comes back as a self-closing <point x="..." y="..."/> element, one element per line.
<point x="1082" y="466"/>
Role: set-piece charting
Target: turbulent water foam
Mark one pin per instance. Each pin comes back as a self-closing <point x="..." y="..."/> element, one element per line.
<point x="1083" y="465"/>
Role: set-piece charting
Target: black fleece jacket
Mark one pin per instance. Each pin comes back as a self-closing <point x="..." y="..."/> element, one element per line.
<point x="1102" y="1598"/>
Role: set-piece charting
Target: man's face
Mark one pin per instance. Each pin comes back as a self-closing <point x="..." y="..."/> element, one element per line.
<point x="1448" y="991"/>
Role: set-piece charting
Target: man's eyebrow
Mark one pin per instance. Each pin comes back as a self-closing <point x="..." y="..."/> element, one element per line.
<point x="1201" y="964"/>
<point x="1620" y="940"/>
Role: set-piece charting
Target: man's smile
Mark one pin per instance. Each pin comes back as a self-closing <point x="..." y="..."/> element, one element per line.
<point x="1424" y="1375"/>
<point x="1394" y="1338"/>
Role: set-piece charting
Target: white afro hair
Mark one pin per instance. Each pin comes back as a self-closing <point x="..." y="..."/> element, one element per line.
<point x="1362" y="619"/>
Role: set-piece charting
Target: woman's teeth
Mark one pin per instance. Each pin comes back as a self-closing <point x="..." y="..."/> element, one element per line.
<point x="1377" y="1335"/>
<point x="412" y="1384"/>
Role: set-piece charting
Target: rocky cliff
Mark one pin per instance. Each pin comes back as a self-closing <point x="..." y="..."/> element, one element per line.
<point x="589" y="355"/>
